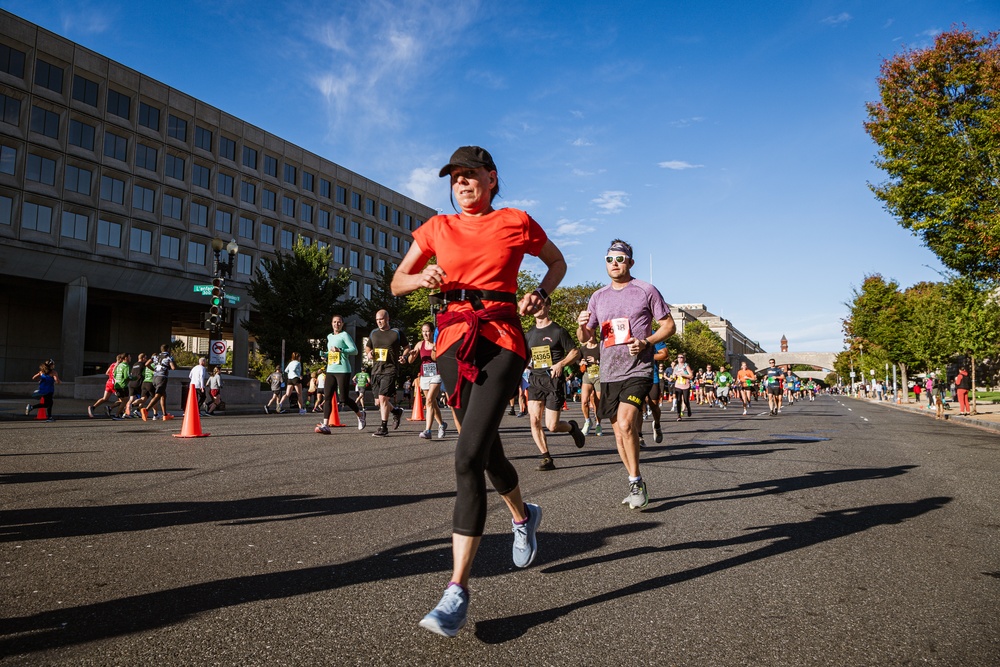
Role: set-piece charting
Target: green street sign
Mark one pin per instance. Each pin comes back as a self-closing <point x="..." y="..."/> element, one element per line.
<point x="232" y="298"/>
<point x="204" y="290"/>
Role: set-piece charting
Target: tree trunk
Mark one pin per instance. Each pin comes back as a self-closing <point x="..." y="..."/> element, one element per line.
<point x="904" y="380"/>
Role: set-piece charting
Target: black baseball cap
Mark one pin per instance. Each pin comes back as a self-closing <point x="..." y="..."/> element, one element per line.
<point x="471" y="157"/>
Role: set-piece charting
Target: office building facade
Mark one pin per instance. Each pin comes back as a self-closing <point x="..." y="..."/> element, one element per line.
<point x="112" y="188"/>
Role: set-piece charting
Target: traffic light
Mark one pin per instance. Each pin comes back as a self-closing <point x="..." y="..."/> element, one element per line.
<point x="218" y="296"/>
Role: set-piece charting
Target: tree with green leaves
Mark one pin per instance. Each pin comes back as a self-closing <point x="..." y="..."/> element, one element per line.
<point x="937" y="127"/>
<point x="974" y="323"/>
<point x="880" y="319"/>
<point x="296" y="294"/>
<point x="702" y="346"/>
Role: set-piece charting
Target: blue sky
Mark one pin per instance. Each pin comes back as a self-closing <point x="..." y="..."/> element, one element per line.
<point x="724" y="140"/>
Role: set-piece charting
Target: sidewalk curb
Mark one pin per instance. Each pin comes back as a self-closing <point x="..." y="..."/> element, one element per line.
<point x="951" y="419"/>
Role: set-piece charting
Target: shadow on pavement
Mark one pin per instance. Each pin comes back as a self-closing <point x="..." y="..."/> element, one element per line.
<point x="779" y="539"/>
<point x="34" y="477"/>
<point x="55" y="522"/>
<point x="87" y="623"/>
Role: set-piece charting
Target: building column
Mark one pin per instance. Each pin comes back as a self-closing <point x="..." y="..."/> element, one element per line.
<point x="241" y="343"/>
<point x="74" y="329"/>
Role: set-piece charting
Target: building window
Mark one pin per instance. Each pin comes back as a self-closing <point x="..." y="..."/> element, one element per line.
<point x="74" y="226"/>
<point x="12" y="61"/>
<point x="37" y="217"/>
<point x="341" y="195"/>
<point x="109" y="233"/>
<point x="380" y="265"/>
<point x="324" y="188"/>
<point x="368" y="262"/>
<point x="81" y="134"/>
<point x="306" y="213"/>
<point x="289" y="174"/>
<point x="174" y="167"/>
<point x="119" y="104"/>
<point x="41" y="169"/>
<point x="199" y="214"/>
<point x="287" y="239"/>
<point x="172" y="207"/>
<point x="271" y="166"/>
<point x="367" y="291"/>
<point x="244" y="264"/>
<point x="201" y="176"/>
<point x="408" y="222"/>
<point x="305" y="240"/>
<point x="10" y="109"/>
<point x="246" y="228"/>
<point x="149" y="116"/>
<point x="249" y="157"/>
<point x="196" y="253"/>
<point x="177" y="128"/>
<point x="339" y="224"/>
<point x="203" y="138"/>
<point x="356" y="201"/>
<point x="353" y="259"/>
<point x="84" y="90"/>
<point x="308" y="181"/>
<point x="145" y="157"/>
<point x="369" y="235"/>
<point x="355" y="229"/>
<point x="224" y="222"/>
<point x="77" y="180"/>
<point x="324" y="219"/>
<point x="227" y="148"/>
<point x="115" y="146"/>
<point x="141" y="240"/>
<point x="48" y="76"/>
<point x="383" y="212"/>
<point x="395" y="244"/>
<point x="382" y="236"/>
<point x="112" y="189"/>
<point x="322" y="245"/>
<point x="352" y="289"/>
<point x="288" y="206"/>
<point x="268" y="200"/>
<point x="406" y="247"/>
<point x="370" y="207"/>
<point x="44" y="122"/>
<point x="248" y="192"/>
<point x="6" y="210"/>
<point x="142" y="198"/>
<point x="224" y="184"/>
<point x="266" y="233"/>
<point x="395" y="217"/>
<point x="338" y="254"/>
<point x="170" y="247"/>
<point x="8" y="158"/>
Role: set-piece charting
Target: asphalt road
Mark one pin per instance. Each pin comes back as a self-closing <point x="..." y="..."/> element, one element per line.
<point x="838" y="533"/>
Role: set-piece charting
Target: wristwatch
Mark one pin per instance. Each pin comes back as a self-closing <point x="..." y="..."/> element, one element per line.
<point x="542" y="293"/>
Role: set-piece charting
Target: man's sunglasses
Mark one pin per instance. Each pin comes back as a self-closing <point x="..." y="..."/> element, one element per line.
<point x="618" y="259"/>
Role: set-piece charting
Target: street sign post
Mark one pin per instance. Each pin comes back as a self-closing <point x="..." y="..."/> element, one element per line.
<point x="217" y="353"/>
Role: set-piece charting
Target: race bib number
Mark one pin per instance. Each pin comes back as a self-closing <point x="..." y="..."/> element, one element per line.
<point x="593" y="371"/>
<point x="381" y="354"/>
<point x="542" y="356"/>
<point x="333" y="357"/>
<point x="681" y="383"/>
<point x="429" y="369"/>
<point x="615" y="331"/>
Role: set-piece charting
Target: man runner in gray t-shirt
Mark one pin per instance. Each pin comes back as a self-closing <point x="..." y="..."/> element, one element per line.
<point x="624" y="311"/>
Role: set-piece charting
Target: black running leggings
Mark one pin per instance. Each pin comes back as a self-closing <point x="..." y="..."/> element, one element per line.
<point x="44" y="401"/>
<point x="479" y="448"/>
<point x="683" y="398"/>
<point x="337" y="383"/>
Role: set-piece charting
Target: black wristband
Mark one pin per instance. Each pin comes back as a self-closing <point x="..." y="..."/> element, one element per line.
<point x="542" y="293"/>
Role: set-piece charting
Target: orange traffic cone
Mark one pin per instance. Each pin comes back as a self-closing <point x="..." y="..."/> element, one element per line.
<point x="191" y="428"/>
<point x="565" y="407"/>
<point x="335" y="415"/>
<point x="418" y="407"/>
<point x="42" y="414"/>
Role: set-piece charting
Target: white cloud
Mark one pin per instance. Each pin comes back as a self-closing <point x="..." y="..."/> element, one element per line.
<point x="582" y="142"/>
<point x="839" y="19"/>
<point x="581" y="172"/>
<point x="85" y="20"/>
<point x="572" y="228"/>
<point x="575" y="114"/>
<point x="611" y="201"/>
<point x="679" y="165"/>
<point x="422" y="183"/>
<point x="523" y="204"/>
<point x="687" y="122"/>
